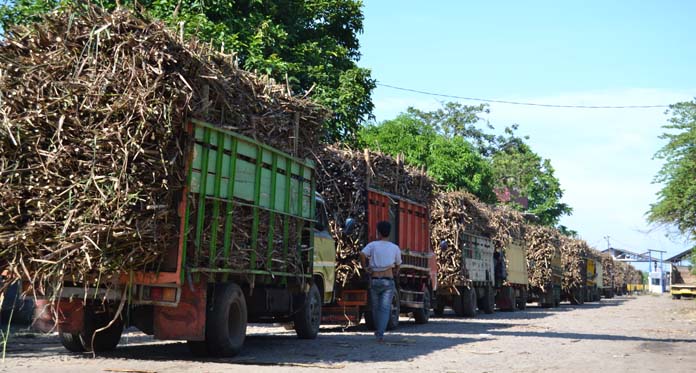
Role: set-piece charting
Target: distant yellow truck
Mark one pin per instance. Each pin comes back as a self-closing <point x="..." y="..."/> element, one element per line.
<point x="512" y="289"/>
<point x="683" y="282"/>
<point x="593" y="279"/>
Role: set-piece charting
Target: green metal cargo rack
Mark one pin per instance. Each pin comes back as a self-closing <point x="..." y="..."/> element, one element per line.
<point x="228" y="171"/>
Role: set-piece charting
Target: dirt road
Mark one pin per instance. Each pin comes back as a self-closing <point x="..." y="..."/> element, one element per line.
<point x="639" y="334"/>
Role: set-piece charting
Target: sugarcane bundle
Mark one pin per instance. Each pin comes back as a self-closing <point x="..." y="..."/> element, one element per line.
<point x="93" y="113"/>
<point x="543" y="252"/>
<point x="343" y="177"/>
<point x="574" y="254"/>
<point x="452" y="214"/>
<point x="608" y="269"/>
<point x="507" y="225"/>
<point x="620" y="272"/>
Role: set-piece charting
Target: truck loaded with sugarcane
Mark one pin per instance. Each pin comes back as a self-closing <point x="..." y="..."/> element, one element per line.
<point x="158" y="186"/>
<point x="545" y="265"/>
<point x="460" y="234"/>
<point x="364" y="188"/>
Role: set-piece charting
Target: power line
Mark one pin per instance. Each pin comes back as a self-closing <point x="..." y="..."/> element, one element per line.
<point x="521" y="103"/>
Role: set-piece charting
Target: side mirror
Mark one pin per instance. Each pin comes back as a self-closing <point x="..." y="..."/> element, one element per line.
<point x="349" y="227"/>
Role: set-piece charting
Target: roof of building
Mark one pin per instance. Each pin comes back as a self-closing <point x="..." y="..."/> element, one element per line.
<point x="686" y="254"/>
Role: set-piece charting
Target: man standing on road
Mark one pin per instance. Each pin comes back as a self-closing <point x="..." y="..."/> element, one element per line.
<point x="384" y="260"/>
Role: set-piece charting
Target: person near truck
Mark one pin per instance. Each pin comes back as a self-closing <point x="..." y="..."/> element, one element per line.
<point x="382" y="259"/>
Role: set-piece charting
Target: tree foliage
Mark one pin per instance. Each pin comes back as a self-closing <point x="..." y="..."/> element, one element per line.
<point x="460" y="151"/>
<point x="310" y="44"/>
<point x="517" y="167"/>
<point x="452" y="162"/>
<point x="676" y="201"/>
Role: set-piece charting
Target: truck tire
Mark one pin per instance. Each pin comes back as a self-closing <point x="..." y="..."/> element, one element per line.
<point x="676" y="296"/>
<point x="487" y="301"/>
<point x="464" y="305"/>
<point x="393" y="321"/>
<point x="422" y="315"/>
<point x="226" y="323"/>
<point x="105" y="340"/>
<point x="522" y="301"/>
<point x="439" y="307"/>
<point x="71" y="342"/>
<point x="308" y="318"/>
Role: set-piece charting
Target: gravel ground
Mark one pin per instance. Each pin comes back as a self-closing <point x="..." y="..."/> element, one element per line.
<point x="640" y="334"/>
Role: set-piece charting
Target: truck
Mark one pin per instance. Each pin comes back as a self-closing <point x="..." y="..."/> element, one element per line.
<point x="683" y="282"/>
<point x="512" y="291"/>
<point x="600" y="278"/>
<point x="592" y="278"/>
<point x="245" y="254"/>
<point x="476" y="290"/>
<point x="548" y="295"/>
<point x="349" y="302"/>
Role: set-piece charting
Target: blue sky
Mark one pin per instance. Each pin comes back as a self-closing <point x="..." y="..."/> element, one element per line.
<point x="594" y="53"/>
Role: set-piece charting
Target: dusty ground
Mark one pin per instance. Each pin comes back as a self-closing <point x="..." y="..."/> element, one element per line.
<point x="640" y="334"/>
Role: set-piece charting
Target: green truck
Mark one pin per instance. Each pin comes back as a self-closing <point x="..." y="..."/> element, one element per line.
<point x="245" y="254"/>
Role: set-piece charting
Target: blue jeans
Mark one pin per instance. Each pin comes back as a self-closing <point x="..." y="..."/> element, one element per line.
<point x="381" y="294"/>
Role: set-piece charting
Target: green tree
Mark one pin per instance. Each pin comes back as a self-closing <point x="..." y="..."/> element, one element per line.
<point x="310" y="44"/>
<point x="517" y="167"/>
<point x="452" y="162"/>
<point x="675" y="201"/>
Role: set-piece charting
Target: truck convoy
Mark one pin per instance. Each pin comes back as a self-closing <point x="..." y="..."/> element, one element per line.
<point x="190" y="207"/>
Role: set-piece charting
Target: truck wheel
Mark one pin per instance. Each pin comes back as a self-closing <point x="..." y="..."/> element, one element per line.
<point x="422" y="315"/>
<point x="308" y="318"/>
<point x="226" y="323"/>
<point x="522" y="302"/>
<point x="105" y="340"/>
<point x="464" y="305"/>
<point x="487" y="301"/>
<point x="393" y="321"/>
<point x="71" y="342"/>
<point x="676" y="296"/>
<point x="439" y="307"/>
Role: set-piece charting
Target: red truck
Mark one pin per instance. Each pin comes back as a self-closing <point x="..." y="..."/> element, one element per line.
<point x="418" y="275"/>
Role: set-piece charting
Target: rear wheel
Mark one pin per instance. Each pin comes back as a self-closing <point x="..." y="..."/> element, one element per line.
<point x="308" y="318"/>
<point x="464" y="305"/>
<point x="422" y="315"/>
<point x="522" y="302"/>
<point x="676" y="296"/>
<point x="71" y="342"/>
<point x="487" y="301"/>
<point x="89" y="339"/>
<point x="225" y="328"/>
<point x="439" y="307"/>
